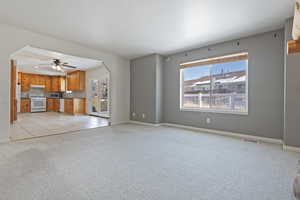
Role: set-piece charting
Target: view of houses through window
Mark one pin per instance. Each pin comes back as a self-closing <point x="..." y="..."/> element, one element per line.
<point x="217" y="84"/>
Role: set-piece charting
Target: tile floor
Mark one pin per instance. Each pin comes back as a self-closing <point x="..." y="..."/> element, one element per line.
<point x="31" y="125"/>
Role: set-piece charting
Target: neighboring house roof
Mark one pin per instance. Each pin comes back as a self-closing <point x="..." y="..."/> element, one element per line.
<point x="234" y="79"/>
<point x="192" y="82"/>
<point x="229" y="77"/>
<point x="225" y="78"/>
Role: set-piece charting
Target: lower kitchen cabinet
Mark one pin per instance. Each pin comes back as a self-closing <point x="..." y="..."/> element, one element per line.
<point x="53" y="105"/>
<point x="25" y="105"/>
<point x="74" y="106"/>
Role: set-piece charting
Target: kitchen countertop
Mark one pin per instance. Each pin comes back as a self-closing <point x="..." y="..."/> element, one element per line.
<point x="74" y="98"/>
<point x="66" y="98"/>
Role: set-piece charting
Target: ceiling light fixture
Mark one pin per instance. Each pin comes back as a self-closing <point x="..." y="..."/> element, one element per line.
<point x="57" y="68"/>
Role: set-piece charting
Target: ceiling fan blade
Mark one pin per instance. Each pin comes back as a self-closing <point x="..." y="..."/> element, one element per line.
<point x="69" y="66"/>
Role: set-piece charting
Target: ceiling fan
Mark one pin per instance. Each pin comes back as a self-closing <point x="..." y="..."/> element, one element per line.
<point x="57" y="65"/>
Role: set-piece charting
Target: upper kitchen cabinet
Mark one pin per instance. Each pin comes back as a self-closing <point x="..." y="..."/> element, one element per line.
<point x="38" y="79"/>
<point x="25" y="81"/>
<point x="48" y="85"/>
<point x="51" y="83"/>
<point x="58" y="84"/>
<point x="76" y="81"/>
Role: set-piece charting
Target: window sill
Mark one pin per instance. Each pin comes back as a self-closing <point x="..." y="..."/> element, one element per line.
<point x="214" y="111"/>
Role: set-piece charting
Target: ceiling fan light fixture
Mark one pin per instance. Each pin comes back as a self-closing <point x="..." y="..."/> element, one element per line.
<point x="58" y="68"/>
<point x="54" y="67"/>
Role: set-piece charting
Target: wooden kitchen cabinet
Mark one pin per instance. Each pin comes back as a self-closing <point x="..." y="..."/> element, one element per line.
<point x="53" y="105"/>
<point x="74" y="106"/>
<point x="55" y="83"/>
<point x="58" y="84"/>
<point x="33" y="79"/>
<point x="36" y="79"/>
<point x="62" y="83"/>
<point x="56" y="105"/>
<point x="51" y="83"/>
<point x="41" y="80"/>
<point x="50" y="105"/>
<point x="76" y="81"/>
<point x="25" y="105"/>
<point x="48" y="85"/>
<point x="79" y="106"/>
<point x="25" y="82"/>
<point x="27" y="79"/>
<point x="68" y="107"/>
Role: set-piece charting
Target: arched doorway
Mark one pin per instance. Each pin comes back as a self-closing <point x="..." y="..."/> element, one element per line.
<point x="37" y="72"/>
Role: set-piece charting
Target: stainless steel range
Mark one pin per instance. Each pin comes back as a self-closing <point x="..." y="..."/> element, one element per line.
<point x="38" y="104"/>
<point x="38" y="99"/>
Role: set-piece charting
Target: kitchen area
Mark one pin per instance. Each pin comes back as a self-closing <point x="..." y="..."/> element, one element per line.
<point x="41" y="93"/>
<point x="57" y="100"/>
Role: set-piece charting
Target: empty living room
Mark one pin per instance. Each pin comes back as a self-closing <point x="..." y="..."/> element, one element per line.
<point x="150" y="100"/>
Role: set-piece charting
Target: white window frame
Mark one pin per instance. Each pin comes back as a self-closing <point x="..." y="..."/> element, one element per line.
<point x="213" y="110"/>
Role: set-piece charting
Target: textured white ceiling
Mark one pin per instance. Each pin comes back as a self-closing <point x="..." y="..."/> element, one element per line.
<point x="133" y="28"/>
<point x="39" y="61"/>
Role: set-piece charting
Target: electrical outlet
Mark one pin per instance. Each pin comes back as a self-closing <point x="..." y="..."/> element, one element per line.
<point x="208" y="120"/>
<point x="143" y="116"/>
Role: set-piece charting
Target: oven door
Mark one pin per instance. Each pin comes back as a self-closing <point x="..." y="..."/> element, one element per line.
<point x="38" y="105"/>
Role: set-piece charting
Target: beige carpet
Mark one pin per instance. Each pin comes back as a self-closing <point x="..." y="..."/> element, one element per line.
<point x="151" y="163"/>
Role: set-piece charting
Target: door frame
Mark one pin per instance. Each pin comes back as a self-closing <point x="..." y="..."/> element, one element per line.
<point x="110" y="90"/>
<point x="99" y="81"/>
<point x="13" y="91"/>
<point x="89" y="100"/>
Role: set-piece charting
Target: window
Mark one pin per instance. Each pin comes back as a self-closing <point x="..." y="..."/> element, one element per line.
<point x="216" y="84"/>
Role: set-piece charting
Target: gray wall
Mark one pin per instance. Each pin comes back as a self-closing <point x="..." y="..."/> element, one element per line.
<point x="292" y="93"/>
<point x="266" y="69"/>
<point x="155" y="87"/>
<point x="146" y="88"/>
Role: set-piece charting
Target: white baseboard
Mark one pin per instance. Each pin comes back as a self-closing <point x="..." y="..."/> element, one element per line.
<point x="144" y="123"/>
<point x="4" y="141"/>
<point x="227" y="133"/>
<point x="117" y="123"/>
<point x="218" y="132"/>
<point x="223" y="133"/>
<point x="290" y="148"/>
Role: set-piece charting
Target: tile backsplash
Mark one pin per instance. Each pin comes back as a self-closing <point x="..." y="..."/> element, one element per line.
<point x="25" y="94"/>
<point x="75" y="94"/>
